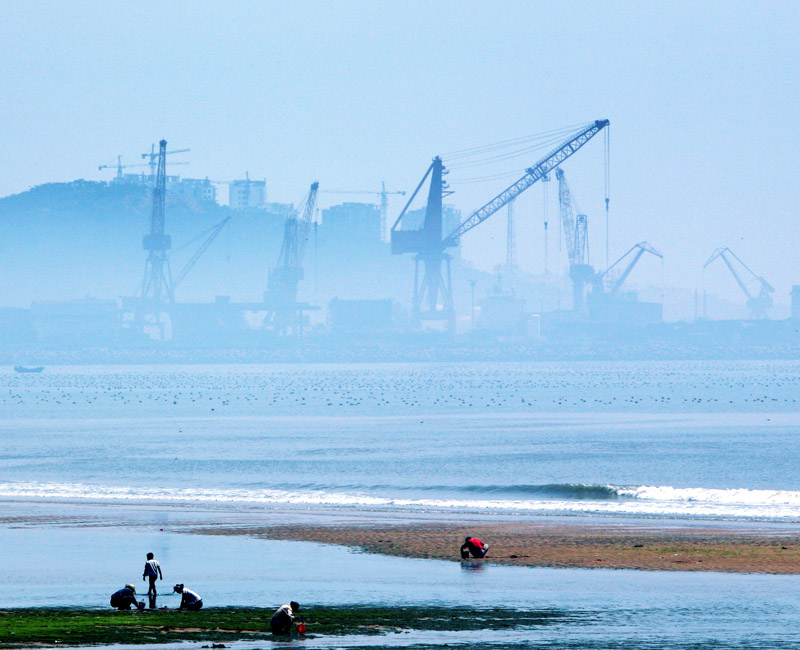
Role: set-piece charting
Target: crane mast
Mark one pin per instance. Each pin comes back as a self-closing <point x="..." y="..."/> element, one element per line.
<point x="283" y="314"/>
<point x="576" y="236"/>
<point x="157" y="282"/>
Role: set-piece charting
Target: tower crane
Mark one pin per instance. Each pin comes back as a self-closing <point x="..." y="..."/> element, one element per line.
<point x="119" y="166"/>
<point x="153" y="158"/>
<point x="577" y="239"/>
<point x="384" y="197"/>
<point x="283" y="311"/>
<point x="430" y="246"/>
<point x="758" y="305"/>
<point x="615" y="285"/>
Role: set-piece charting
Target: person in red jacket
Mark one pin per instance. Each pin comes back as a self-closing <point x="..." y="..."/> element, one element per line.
<point x="473" y="546"/>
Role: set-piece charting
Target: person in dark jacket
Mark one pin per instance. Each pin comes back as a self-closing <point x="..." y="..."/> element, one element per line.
<point x="283" y="618"/>
<point x="473" y="546"/>
<point x="125" y="598"/>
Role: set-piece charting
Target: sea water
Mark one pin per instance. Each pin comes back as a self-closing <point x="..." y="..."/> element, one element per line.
<point x="94" y="459"/>
<point x="685" y="440"/>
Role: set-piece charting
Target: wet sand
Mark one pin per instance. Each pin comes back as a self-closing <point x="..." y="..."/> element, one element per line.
<point x="562" y="545"/>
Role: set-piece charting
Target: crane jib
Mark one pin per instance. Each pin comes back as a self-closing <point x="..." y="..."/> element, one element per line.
<point x="532" y="174"/>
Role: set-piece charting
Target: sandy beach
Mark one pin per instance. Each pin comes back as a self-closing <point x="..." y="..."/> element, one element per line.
<point x="561" y="545"/>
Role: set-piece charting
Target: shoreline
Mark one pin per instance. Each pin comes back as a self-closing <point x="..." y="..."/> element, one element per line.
<point x="68" y="626"/>
<point x="558" y="545"/>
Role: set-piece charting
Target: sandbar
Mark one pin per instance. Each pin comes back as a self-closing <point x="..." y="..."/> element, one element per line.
<point x="563" y="545"/>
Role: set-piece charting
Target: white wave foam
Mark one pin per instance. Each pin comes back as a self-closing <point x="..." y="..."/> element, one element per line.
<point x="643" y="501"/>
<point x="741" y="496"/>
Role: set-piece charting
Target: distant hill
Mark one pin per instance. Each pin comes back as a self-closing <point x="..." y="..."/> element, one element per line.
<point x="84" y="239"/>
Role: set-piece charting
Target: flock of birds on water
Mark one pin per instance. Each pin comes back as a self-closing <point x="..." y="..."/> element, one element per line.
<point x="407" y="388"/>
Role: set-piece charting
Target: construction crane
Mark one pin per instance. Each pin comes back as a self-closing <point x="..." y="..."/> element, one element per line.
<point x="284" y="313"/>
<point x="430" y="246"/>
<point x="157" y="282"/>
<point x="384" y="197"/>
<point x="577" y="239"/>
<point x="614" y="285"/>
<point x="215" y="231"/>
<point x="119" y="166"/>
<point x="759" y="304"/>
<point x="153" y="156"/>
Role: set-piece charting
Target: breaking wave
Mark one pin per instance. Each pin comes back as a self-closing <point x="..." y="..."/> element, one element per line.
<point x="638" y="501"/>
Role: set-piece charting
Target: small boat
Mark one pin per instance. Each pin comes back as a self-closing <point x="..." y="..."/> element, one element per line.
<point x="28" y="369"/>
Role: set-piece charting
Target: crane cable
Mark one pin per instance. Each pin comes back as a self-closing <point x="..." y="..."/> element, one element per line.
<point x="472" y="151"/>
<point x="607" y="178"/>
<point x="516" y="153"/>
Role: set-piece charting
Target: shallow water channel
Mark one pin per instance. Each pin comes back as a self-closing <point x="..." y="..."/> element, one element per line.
<point x="47" y="566"/>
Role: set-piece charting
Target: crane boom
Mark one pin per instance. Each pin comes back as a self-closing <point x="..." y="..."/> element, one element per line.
<point x="304" y="223"/>
<point x="199" y="253"/>
<point x="765" y="287"/>
<point x="532" y="174"/>
<point x="567" y="214"/>
<point x="641" y="248"/>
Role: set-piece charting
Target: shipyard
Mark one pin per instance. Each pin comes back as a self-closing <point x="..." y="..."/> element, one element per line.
<point x="366" y="273"/>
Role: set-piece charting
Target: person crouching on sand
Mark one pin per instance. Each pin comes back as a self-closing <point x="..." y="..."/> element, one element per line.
<point x="189" y="599"/>
<point x="125" y="598"/>
<point x="474" y="546"/>
<point x="283" y="618"/>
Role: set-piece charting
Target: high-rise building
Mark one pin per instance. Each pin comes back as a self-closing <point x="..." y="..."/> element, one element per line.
<point x="246" y="193"/>
<point x="195" y="189"/>
<point x="353" y="221"/>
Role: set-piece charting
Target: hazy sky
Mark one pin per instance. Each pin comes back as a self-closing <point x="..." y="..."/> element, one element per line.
<point x="702" y="98"/>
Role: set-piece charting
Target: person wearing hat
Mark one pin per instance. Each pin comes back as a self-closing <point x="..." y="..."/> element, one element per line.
<point x="125" y="597"/>
<point x="283" y="618"/>
<point x="189" y="599"/>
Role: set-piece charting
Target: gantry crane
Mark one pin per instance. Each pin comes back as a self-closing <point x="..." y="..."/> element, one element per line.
<point x="605" y="283"/>
<point x="433" y="298"/>
<point x="758" y="305"/>
<point x="284" y="313"/>
<point x="384" y="197"/>
<point x="577" y="238"/>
